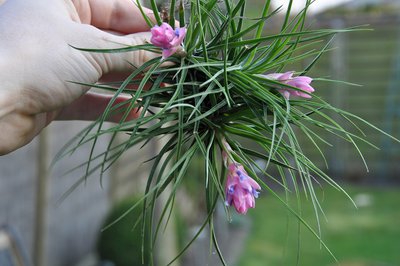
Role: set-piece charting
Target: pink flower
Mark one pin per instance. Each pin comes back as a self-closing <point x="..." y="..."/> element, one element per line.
<point x="300" y="82"/>
<point x="168" y="39"/>
<point x="240" y="189"/>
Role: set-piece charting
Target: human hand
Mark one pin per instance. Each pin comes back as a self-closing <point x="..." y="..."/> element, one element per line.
<point x="37" y="60"/>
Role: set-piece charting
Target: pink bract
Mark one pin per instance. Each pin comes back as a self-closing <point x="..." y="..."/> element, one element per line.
<point x="167" y="38"/>
<point x="300" y="82"/>
<point x="241" y="190"/>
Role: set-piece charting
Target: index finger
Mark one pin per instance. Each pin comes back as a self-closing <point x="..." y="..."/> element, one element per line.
<point x="117" y="15"/>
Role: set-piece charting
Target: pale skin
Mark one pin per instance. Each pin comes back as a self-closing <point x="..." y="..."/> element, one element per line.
<point x="37" y="61"/>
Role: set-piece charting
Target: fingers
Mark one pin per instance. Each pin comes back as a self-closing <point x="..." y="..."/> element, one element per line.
<point x="118" y="61"/>
<point x="24" y="127"/>
<point x="19" y="129"/>
<point x="118" y="77"/>
<point x="117" y="15"/>
<point x="91" y="106"/>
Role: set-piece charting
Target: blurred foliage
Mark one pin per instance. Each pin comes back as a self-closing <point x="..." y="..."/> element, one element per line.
<point x="378" y="9"/>
<point x="366" y="236"/>
<point x="122" y="242"/>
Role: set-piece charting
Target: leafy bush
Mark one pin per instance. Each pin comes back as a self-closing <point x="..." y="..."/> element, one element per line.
<point x="122" y="242"/>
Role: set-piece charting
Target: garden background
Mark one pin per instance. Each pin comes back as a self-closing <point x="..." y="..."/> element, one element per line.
<point x="56" y="231"/>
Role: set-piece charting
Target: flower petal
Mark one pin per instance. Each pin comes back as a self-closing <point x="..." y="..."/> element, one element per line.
<point x="168" y="52"/>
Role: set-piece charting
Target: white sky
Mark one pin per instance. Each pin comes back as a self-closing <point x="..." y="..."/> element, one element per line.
<point x="317" y="6"/>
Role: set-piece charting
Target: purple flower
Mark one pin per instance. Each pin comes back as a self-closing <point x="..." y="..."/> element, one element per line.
<point x="168" y="39"/>
<point x="300" y="82"/>
<point x="241" y="190"/>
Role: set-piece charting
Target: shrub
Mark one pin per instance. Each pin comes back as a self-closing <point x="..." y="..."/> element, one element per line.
<point x="122" y="242"/>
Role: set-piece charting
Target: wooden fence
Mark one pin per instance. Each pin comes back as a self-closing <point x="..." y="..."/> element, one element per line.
<point x="54" y="232"/>
<point x="371" y="58"/>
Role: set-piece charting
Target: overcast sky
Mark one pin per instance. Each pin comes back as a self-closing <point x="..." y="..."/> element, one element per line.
<point x="317" y="6"/>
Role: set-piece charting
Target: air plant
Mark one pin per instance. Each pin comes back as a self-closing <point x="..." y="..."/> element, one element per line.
<point x="222" y="78"/>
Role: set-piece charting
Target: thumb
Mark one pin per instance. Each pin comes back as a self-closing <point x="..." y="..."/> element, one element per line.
<point x="117" y="61"/>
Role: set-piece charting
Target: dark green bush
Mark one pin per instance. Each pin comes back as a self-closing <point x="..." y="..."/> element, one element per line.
<point x="122" y="242"/>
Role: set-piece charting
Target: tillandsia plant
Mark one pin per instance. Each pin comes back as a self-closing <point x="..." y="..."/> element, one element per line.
<point x="225" y="87"/>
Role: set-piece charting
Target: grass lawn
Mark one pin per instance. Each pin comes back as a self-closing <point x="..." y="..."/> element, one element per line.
<point x="367" y="236"/>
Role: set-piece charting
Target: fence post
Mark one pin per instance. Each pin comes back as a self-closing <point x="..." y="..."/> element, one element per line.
<point x="42" y="190"/>
<point x="338" y="68"/>
<point x="168" y="240"/>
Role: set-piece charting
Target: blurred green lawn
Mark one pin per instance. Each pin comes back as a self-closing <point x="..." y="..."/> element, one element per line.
<point x="369" y="235"/>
